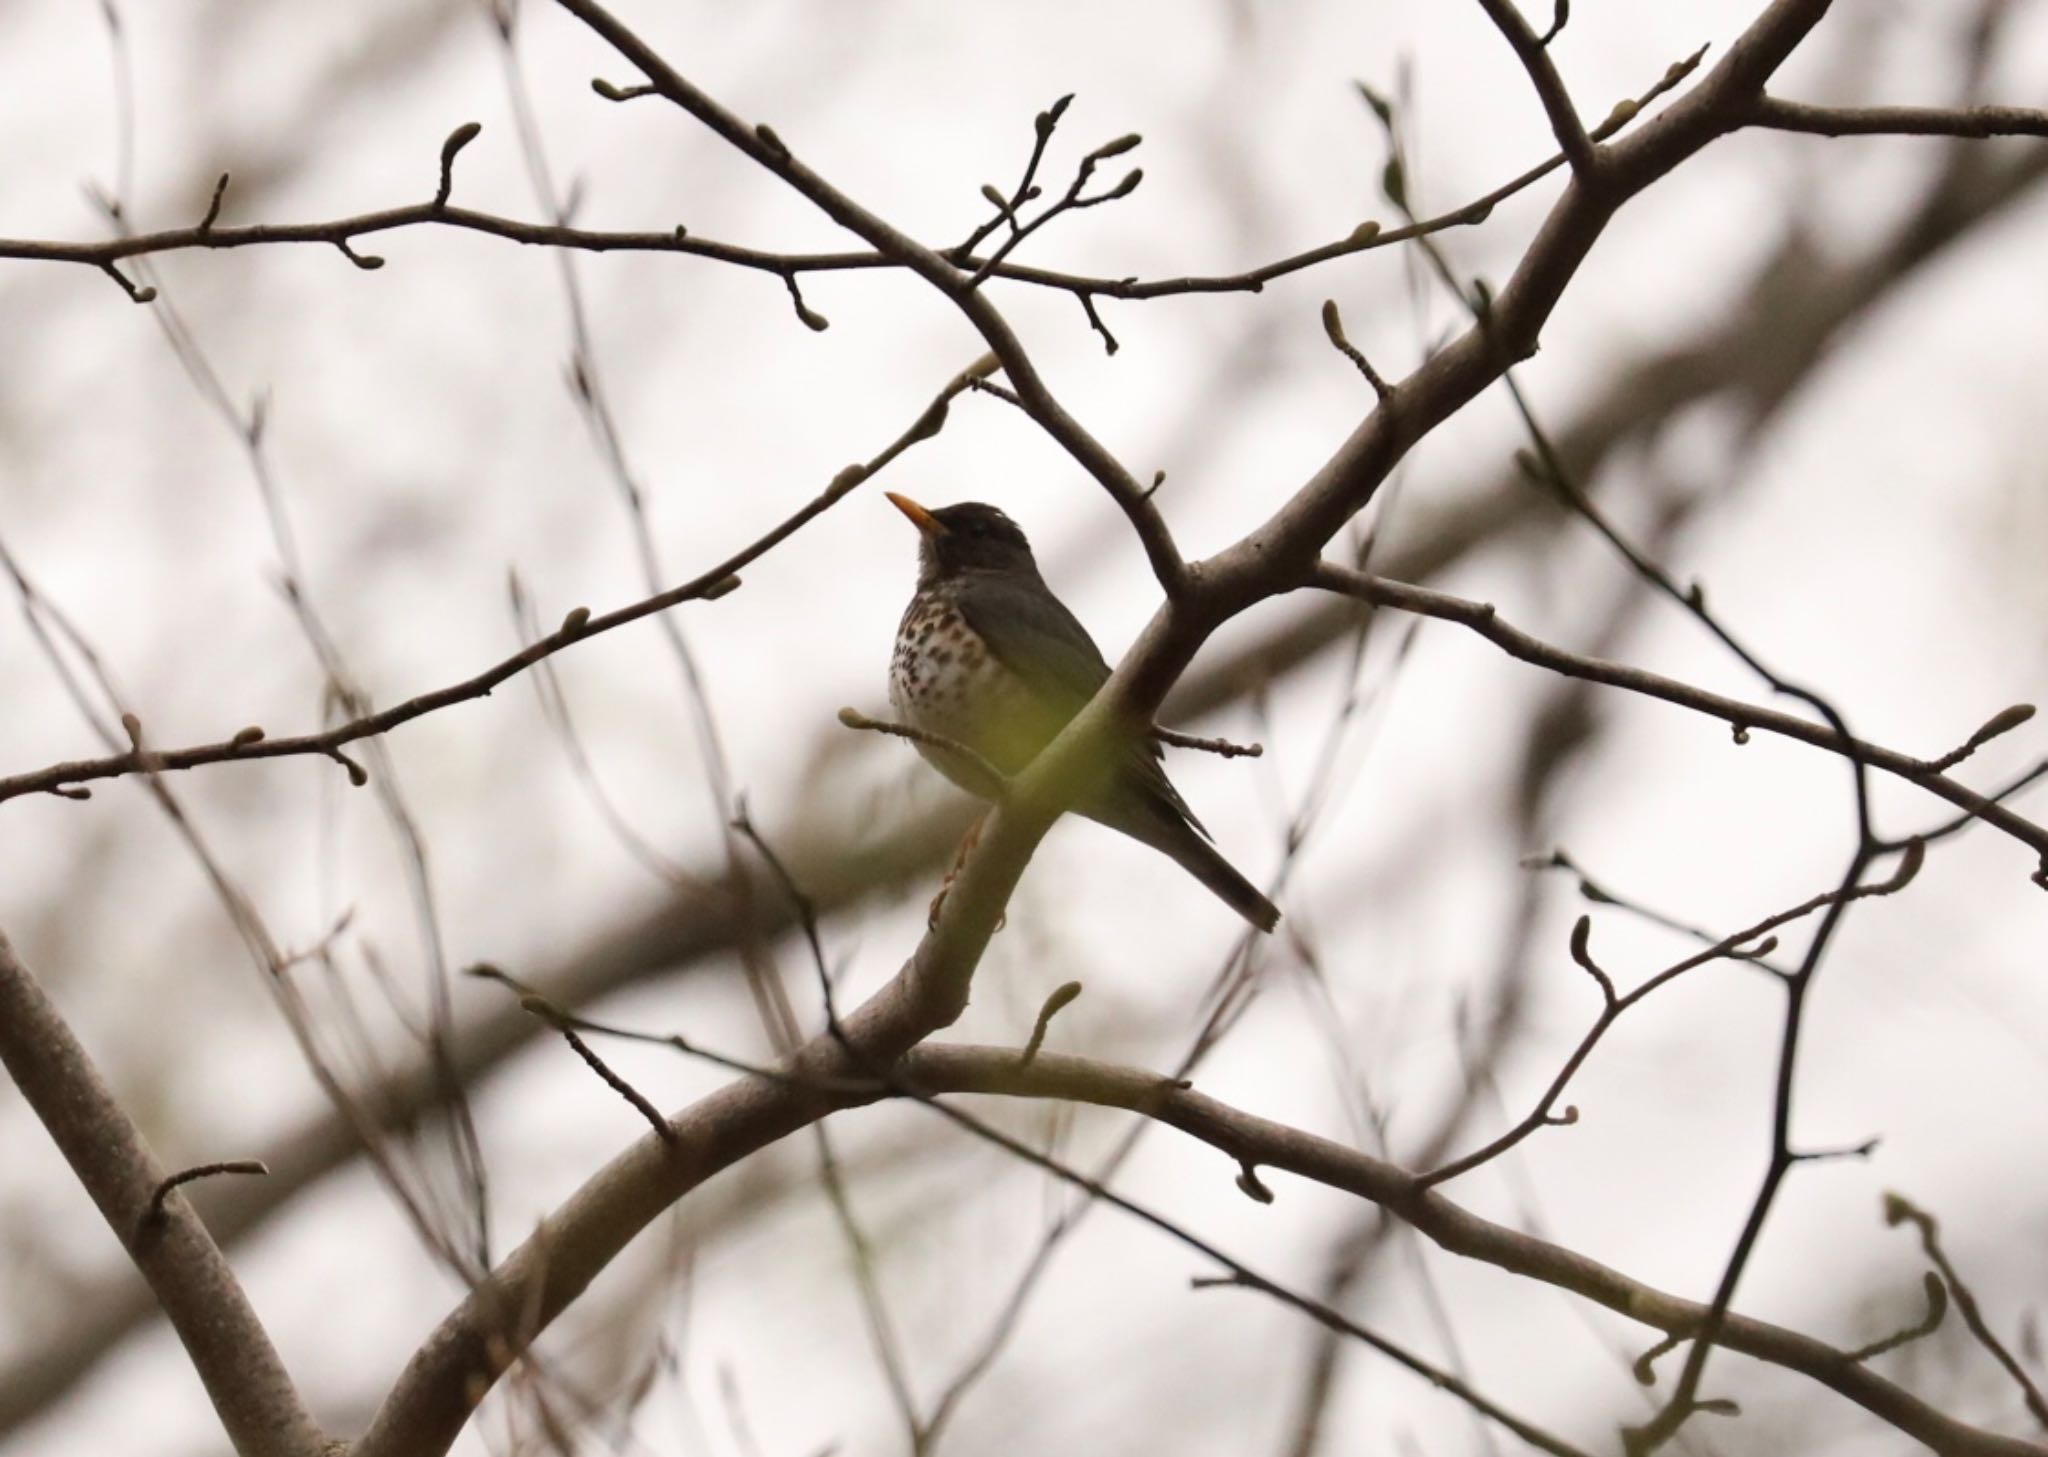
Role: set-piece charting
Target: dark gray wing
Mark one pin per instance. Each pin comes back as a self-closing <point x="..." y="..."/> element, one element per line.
<point x="1031" y="633"/>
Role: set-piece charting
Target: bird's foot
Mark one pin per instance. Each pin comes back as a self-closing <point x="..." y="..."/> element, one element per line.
<point x="973" y="838"/>
<point x="931" y="917"/>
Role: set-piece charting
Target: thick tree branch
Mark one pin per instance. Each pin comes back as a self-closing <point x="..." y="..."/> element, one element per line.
<point x="490" y="1329"/>
<point x="247" y="1383"/>
<point x="432" y="1399"/>
<point x="500" y="1318"/>
<point x="1246" y="1138"/>
<point x="493" y="1326"/>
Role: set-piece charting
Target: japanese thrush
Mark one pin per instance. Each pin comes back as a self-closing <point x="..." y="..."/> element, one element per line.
<point x="987" y="658"/>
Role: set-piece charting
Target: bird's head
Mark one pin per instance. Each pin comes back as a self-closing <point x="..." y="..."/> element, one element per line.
<point x="969" y="536"/>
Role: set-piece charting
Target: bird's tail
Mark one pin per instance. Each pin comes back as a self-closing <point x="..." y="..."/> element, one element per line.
<point x="1191" y="850"/>
<point x="1206" y="863"/>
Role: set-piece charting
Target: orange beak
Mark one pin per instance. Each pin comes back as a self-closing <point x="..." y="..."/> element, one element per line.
<point x="922" y="519"/>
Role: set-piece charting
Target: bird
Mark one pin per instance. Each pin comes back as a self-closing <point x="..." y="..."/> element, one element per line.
<point x="987" y="658"/>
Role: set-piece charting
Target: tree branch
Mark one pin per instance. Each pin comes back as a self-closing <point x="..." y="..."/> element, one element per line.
<point x="763" y="147"/>
<point x="1900" y="1210"/>
<point x="1748" y="944"/>
<point x="494" y="1325"/>
<point x="490" y="1328"/>
<point x="1245" y="1137"/>
<point x="246" y="1382"/>
<point x="1534" y="55"/>
<point x="1481" y="618"/>
<point x="1905" y="121"/>
<point x="577" y="626"/>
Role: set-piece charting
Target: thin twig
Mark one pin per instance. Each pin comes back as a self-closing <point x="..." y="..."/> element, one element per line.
<point x="101" y="254"/>
<point x="1904" y="121"/>
<point x="1532" y="51"/>
<point x="1742" y="945"/>
<point x="1900" y="1210"/>
<point x="706" y="586"/>
<point x="1055" y="1003"/>
<point x="1482" y="618"/>
<point x="155" y="1212"/>
<point x="1042" y="127"/>
<point x="994" y="784"/>
<point x="1045" y="408"/>
<point x="1223" y="747"/>
<point x="1927" y="1325"/>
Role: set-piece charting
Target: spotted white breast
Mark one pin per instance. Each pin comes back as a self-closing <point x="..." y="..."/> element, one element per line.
<point x="943" y="679"/>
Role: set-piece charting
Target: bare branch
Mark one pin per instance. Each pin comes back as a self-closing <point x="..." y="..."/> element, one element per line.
<point x="1900" y="1210"/>
<point x="766" y="150"/>
<point x="247" y="1383"/>
<point x="1927" y="1325"/>
<point x="1751" y="943"/>
<point x="1481" y="618"/>
<point x="1223" y="747"/>
<point x="1364" y="238"/>
<point x="577" y="626"/>
<point x="566" y="1025"/>
<point x="1244" y="1276"/>
<point x="1532" y="51"/>
<point x="461" y="137"/>
<point x="994" y="784"/>
<point x="1904" y="121"/>
<point x="155" y="1213"/>
<point x="1245" y="1137"/>
<point x="1043" y="126"/>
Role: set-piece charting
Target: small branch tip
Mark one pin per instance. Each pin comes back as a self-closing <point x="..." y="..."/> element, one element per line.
<point x="220" y="191"/>
<point x="142" y="295"/>
<point x="611" y="92"/>
<point x="154" y="1214"/>
<point x="461" y="137"/>
<point x="1060" y="998"/>
<point x="368" y="262"/>
<point x="816" y="322"/>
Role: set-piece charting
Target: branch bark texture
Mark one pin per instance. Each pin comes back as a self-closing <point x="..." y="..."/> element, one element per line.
<point x="170" y="1248"/>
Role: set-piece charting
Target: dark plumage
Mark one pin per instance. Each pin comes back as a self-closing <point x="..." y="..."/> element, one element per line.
<point x="986" y="656"/>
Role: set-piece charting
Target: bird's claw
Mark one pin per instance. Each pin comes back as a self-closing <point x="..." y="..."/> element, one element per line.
<point x="931" y="917"/>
